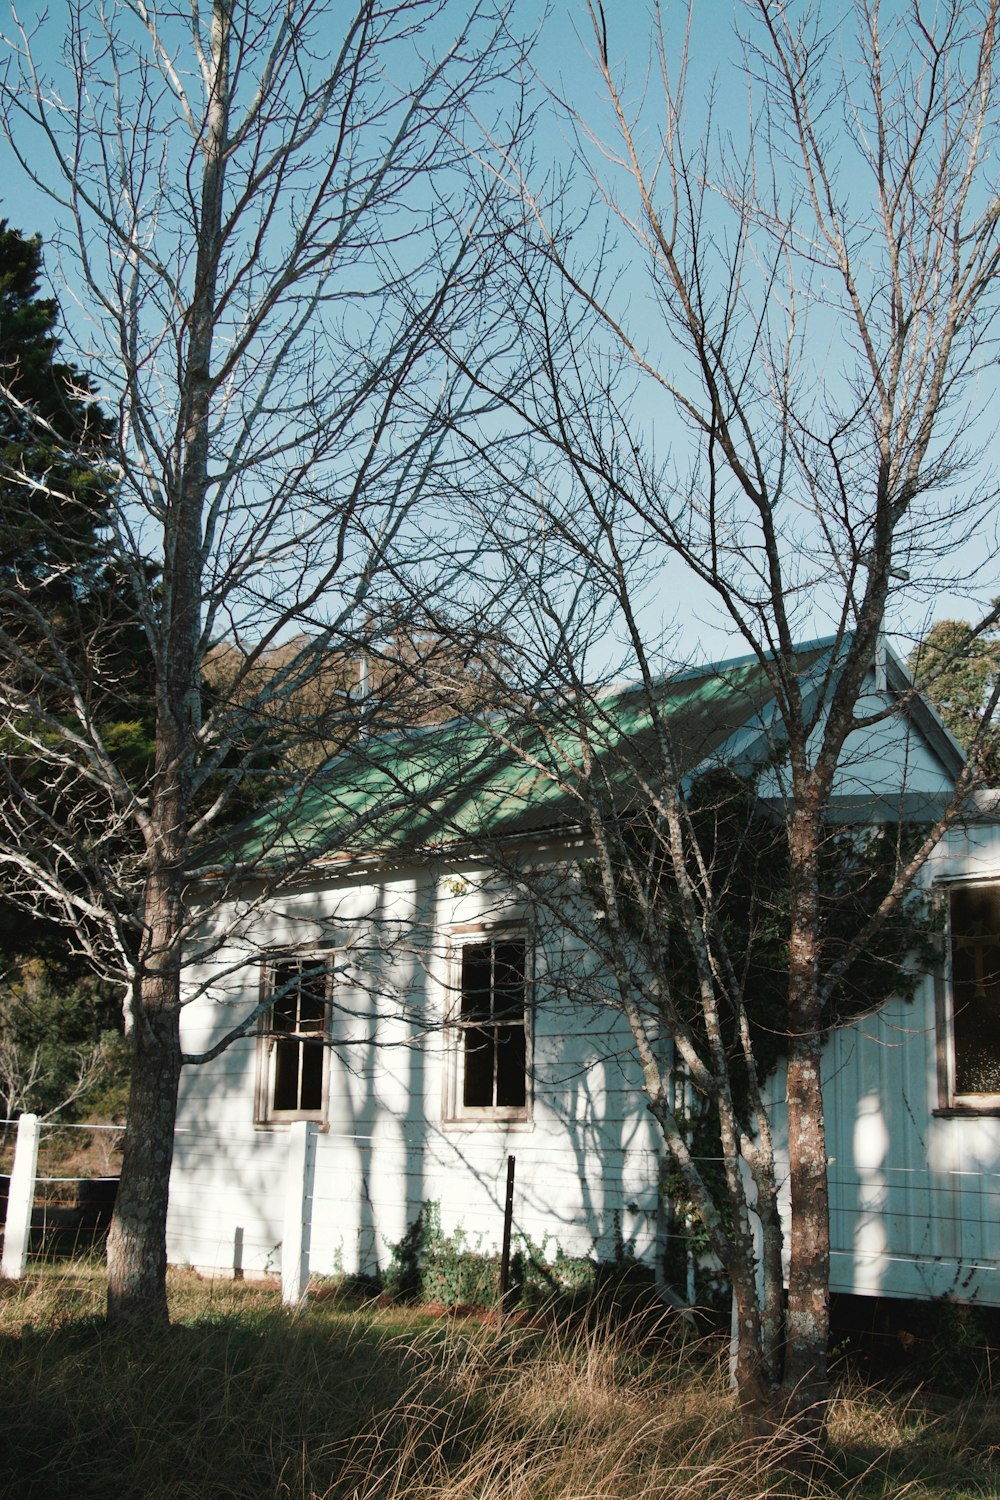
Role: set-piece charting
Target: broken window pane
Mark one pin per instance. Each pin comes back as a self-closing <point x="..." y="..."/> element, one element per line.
<point x="494" y="1035"/>
<point x="292" y="1033"/>
<point x="478" y="1083"/>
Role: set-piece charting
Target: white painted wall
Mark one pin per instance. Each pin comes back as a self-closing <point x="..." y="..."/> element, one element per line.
<point x="914" y="1193"/>
<point x="589" y="1151"/>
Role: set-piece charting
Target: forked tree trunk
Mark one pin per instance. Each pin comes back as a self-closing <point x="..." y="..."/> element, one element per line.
<point x="781" y="1367"/>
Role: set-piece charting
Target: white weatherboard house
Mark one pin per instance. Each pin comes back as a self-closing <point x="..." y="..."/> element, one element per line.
<point x="430" y="1016"/>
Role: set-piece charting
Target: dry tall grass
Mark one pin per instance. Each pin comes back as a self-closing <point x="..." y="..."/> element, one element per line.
<point x="348" y="1403"/>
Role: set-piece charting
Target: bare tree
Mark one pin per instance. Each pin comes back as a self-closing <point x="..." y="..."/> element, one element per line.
<point x="264" y="216"/>
<point x="766" y="385"/>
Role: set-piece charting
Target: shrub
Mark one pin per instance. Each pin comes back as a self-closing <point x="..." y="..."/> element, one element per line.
<point x="427" y="1265"/>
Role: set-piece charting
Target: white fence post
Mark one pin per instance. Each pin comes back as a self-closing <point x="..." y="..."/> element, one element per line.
<point x="20" y="1198"/>
<point x="298" y="1196"/>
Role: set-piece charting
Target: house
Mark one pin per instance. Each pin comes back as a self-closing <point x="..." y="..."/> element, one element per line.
<point x="407" y="950"/>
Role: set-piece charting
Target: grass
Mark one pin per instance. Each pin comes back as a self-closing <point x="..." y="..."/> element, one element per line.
<point x="352" y="1402"/>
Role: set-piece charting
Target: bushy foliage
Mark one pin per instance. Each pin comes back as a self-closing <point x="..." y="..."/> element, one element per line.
<point x="738" y="862"/>
<point x="958" y="675"/>
<point x="60" y="1044"/>
<point x="428" y="1265"/>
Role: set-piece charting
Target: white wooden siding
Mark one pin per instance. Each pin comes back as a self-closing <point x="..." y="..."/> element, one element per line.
<point x="589" y="1154"/>
<point x="915" y="1195"/>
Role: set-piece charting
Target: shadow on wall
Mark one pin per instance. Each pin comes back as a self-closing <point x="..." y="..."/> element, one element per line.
<point x="587" y="1168"/>
<point x="913" y="1194"/>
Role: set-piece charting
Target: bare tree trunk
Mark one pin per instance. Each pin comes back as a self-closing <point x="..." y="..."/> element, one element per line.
<point x="808" y="1314"/>
<point x="272" y="345"/>
<point x="804" y="1386"/>
<point x="754" y="1381"/>
<point x="137" y="1253"/>
<point x="772" y="1274"/>
<point x="137" y="1257"/>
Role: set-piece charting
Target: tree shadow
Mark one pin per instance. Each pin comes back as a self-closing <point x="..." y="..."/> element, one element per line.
<point x="232" y="1401"/>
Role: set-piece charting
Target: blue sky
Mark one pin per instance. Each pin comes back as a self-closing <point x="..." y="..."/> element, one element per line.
<point x="562" y="62"/>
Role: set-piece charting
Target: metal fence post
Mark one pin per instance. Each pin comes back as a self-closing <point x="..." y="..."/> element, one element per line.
<point x="298" y="1200"/>
<point x="20" y="1198"/>
<point x="508" y="1216"/>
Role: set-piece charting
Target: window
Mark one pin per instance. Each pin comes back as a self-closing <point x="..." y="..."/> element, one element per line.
<point x="292" y="1058"/>
<point x="974" y="931"/>
<point x="489" y="1075"/>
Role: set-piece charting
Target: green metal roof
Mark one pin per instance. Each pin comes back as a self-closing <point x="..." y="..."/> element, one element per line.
<point x="474" y="781"/>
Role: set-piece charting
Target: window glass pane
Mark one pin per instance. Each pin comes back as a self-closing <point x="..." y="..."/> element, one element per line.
<point x="477" y="1088"/>
<point x="975" y="968"/>
<point x="476" y="977"/>
<point x="511" y="1059"/>
<point x="286" y="1074"/>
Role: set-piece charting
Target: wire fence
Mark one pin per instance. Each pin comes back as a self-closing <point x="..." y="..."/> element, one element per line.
<point x="905" y="1230"/>
<point x="75" y="1183"/>
<point x="367" y="1188"/>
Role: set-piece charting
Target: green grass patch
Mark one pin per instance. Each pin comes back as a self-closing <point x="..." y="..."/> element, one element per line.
<point x="353" y="1401"/>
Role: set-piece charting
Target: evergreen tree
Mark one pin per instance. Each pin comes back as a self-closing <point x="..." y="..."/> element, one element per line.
<point x="52" y="437"/>
<point x="958" y="674"/>
<point x="55" y="504"/>
<point x="56" y="492"/>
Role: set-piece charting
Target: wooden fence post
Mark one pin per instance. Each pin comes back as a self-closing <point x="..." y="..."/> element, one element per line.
<point x="298" y="1206"/>
<point x="20" y="1198"/>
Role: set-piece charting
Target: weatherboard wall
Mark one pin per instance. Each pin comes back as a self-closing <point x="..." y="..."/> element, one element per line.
<point x="914" y="1186"/>
<point x="587" y="1160"/>
<point x="914" y="1200"/>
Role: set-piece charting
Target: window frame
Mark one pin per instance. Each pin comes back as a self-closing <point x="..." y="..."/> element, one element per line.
<point x="268" y="1040"/>
<point x="951" y="1100"/>
<point x="455" y="1110"/>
